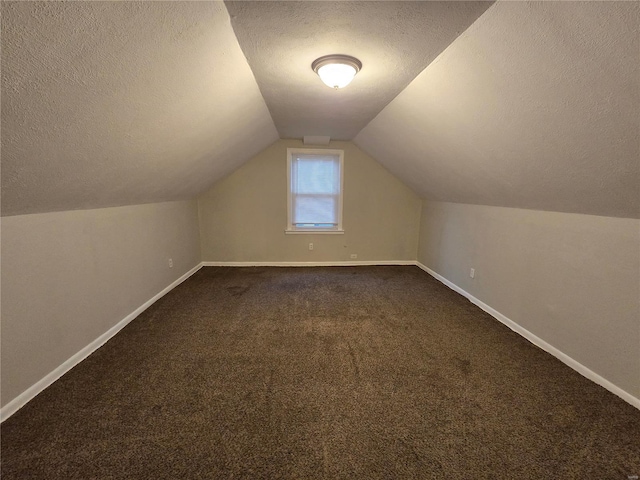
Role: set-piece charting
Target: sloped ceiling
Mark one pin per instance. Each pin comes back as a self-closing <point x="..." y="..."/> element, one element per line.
<point x="394" y="41"/>
<point x="116" y="103"/>
<point x="536" y="105"/>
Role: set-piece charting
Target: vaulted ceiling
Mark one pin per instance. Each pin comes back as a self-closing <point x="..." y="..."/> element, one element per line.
<point x="119" y="103"/>
<point x="395" y="41"/>
<point x="535" y="106"/>
<point x="531" y="105"/>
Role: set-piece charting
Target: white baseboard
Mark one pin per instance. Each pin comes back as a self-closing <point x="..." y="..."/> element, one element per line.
<point x="21" y="400"/>
<point x="566" y="359"/>
<point x="346" y="263"/>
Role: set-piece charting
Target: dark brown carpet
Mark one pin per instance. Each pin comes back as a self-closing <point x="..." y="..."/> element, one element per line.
<point x="320" y="373"/>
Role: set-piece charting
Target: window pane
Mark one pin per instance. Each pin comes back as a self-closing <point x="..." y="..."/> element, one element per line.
<point x="315" y="209"/>
<point x="315" y="184"/>
<point x="315" y="174"/>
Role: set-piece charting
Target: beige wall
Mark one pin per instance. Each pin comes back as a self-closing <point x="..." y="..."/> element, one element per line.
<point x="572" y="280"/>
<point x="68" y="277"/>
<point x="244" y="216"/>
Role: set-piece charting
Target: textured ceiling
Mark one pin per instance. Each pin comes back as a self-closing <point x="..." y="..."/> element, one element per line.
<point x="394" y="40"/>
<point x="535" y="106"/>
<point x="115" y="103"/>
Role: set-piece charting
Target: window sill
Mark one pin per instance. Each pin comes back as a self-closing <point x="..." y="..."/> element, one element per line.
<point x="301" y="231"/>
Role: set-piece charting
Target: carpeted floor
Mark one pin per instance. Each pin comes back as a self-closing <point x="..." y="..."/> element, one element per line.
<point x="320" y="373"/>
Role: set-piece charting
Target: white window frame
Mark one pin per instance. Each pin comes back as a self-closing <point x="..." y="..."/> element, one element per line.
<point x="292" y="229"/>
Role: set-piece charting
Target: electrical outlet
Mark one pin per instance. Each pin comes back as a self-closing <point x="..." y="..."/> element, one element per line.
<point x="311" y="246"/>
<point x="354" y="255"/>
<point x="472" y="273"/>
<point x="171" y="263"/>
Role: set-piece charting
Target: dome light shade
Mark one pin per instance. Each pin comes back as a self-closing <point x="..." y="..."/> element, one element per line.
<point x="336" y="71"/>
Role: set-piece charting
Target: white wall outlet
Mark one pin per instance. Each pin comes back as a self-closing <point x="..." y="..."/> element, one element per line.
<point x="171" y="263"/>
<point x="472" y="273"/>
<point x="311" y="246"/>
<point x="354" y="255"/>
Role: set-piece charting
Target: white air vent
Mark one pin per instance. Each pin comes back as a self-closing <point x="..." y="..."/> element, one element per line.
<point x="316" y="140"/>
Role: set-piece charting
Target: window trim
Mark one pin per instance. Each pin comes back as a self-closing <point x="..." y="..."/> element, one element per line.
<point x="291" y="229"/>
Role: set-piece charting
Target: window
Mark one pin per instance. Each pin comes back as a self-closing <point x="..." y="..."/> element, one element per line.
<point x="314" y="190"/>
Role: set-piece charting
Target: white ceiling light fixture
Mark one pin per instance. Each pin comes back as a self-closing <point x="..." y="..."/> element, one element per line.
<point x="336" y="71"/>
